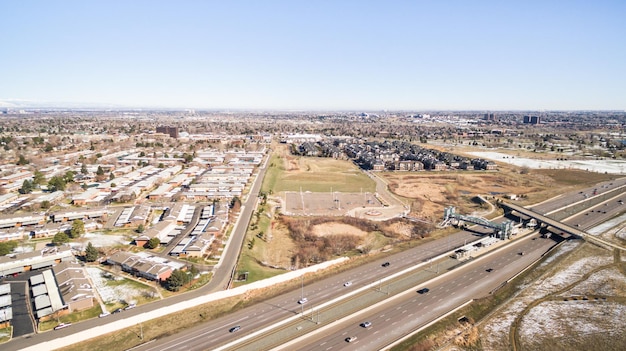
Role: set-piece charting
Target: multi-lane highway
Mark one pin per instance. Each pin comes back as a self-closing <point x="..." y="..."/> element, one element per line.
<point x="414" y="308"/>
<point x="257" y="317"/>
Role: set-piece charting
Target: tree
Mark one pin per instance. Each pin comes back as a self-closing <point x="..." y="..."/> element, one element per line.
<point x="78" y="228"/>
<point x="60" y="238"/>
<point x="91" y="253"/>
<point x="45" y="204"/>
<point x="56" y="183"/>
<point x="176" y="280"/>
<point x="111" y="176"/>
<point x="187" y="157"/>
<point x="39" y="178"/>
<point x="6" y="247"/>
<point x="48" y="148"/>
<point x="153" y="243"/>
<point x="68" y="177"/>
<point x="22" y="161"/>
<point x="100" y="171"/>
<point x="83" y="169"/>
<point x="141" y="228"/>
<point x="27" y="187"/>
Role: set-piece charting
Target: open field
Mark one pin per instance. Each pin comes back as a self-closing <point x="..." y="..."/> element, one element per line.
<point x="430" y="192"/>
<point x="315" y="174"/>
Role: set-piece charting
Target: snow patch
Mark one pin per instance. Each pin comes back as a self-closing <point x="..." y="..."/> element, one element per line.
<point x="558" y="319"/>
<point x="598" y="166"/>
<point x="112" y="293"/>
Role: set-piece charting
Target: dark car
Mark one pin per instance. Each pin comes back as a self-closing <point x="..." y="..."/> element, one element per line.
<point x="386" y="264"/>
<point x="234" y="329"/>
<point x="117" y="311"/>
<point x="489" y="269"/>
<point x="423" y="290"/>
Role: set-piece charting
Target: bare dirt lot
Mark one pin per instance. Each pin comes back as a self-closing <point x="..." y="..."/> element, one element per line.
<point x="429" y="192"/>
<point x="333" y="228"/>
<point x="327" y="204"/>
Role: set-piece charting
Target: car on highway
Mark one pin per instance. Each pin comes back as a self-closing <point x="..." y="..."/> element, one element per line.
<point x="489" y="270"/>
<point x="351" y="338"/>
<point x="62" y="325"/>
<point x="423" y="290"/>
<point x="347" y="283"/>
<point x="366" y="324"/>
<point x="386" y="264"/>
<point x="234" y="329"/>
<point x="303" y="300"/>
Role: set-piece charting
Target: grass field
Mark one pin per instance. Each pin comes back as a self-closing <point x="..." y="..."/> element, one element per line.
<point x="295" y="173"/>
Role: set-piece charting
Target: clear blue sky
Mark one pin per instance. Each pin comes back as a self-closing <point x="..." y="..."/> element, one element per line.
<point x="479" y="55"/>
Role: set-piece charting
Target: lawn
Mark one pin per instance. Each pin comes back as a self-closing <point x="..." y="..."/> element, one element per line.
<point x="294" y="173"/>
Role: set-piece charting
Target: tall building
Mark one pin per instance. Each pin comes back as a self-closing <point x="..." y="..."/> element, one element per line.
<point x="490" y="117"/>
<point x="171" y="131"/>
<point x="532" y="119"/>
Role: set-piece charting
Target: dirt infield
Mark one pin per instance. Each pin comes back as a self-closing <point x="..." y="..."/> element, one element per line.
<point x="326" y="204"/>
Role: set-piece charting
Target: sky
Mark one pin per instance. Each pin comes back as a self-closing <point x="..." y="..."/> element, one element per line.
<point x="316" y="55"/>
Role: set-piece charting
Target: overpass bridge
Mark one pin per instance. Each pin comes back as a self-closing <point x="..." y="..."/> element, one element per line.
<point x="503" y="230"/>
<point x="559" y="225"/>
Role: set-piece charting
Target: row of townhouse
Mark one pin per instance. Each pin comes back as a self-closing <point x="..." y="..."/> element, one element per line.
<point x="140" y="266"/>
<point x="213" y="221"/>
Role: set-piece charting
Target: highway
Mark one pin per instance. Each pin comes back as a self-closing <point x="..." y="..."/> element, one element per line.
<point x="408" y="311"/>
<point x="506" y="263"/>
<point x="265" y="314"/>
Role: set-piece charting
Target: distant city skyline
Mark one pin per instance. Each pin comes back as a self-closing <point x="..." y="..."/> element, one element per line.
<point x="320" y="55"/>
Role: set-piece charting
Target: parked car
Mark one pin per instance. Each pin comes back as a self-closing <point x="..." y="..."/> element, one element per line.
<point x="234" y="329"/>
<point x="366" y="324"/>
<point x="117" y="311"/>
<point x="62" y="325"/>
<point x="104" y="314"/>
<point x="423" y="290"/>
<point x="386" y="264"/>
<point x="130" y="307"/>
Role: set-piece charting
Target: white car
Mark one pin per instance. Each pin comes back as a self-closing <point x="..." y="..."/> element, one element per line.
<point x="62" y="325"/>
<point x="347" y="283"/>
<point x="303" y="300"/>
<point x="104" y="314"/>
<point x="130" y="307"/>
